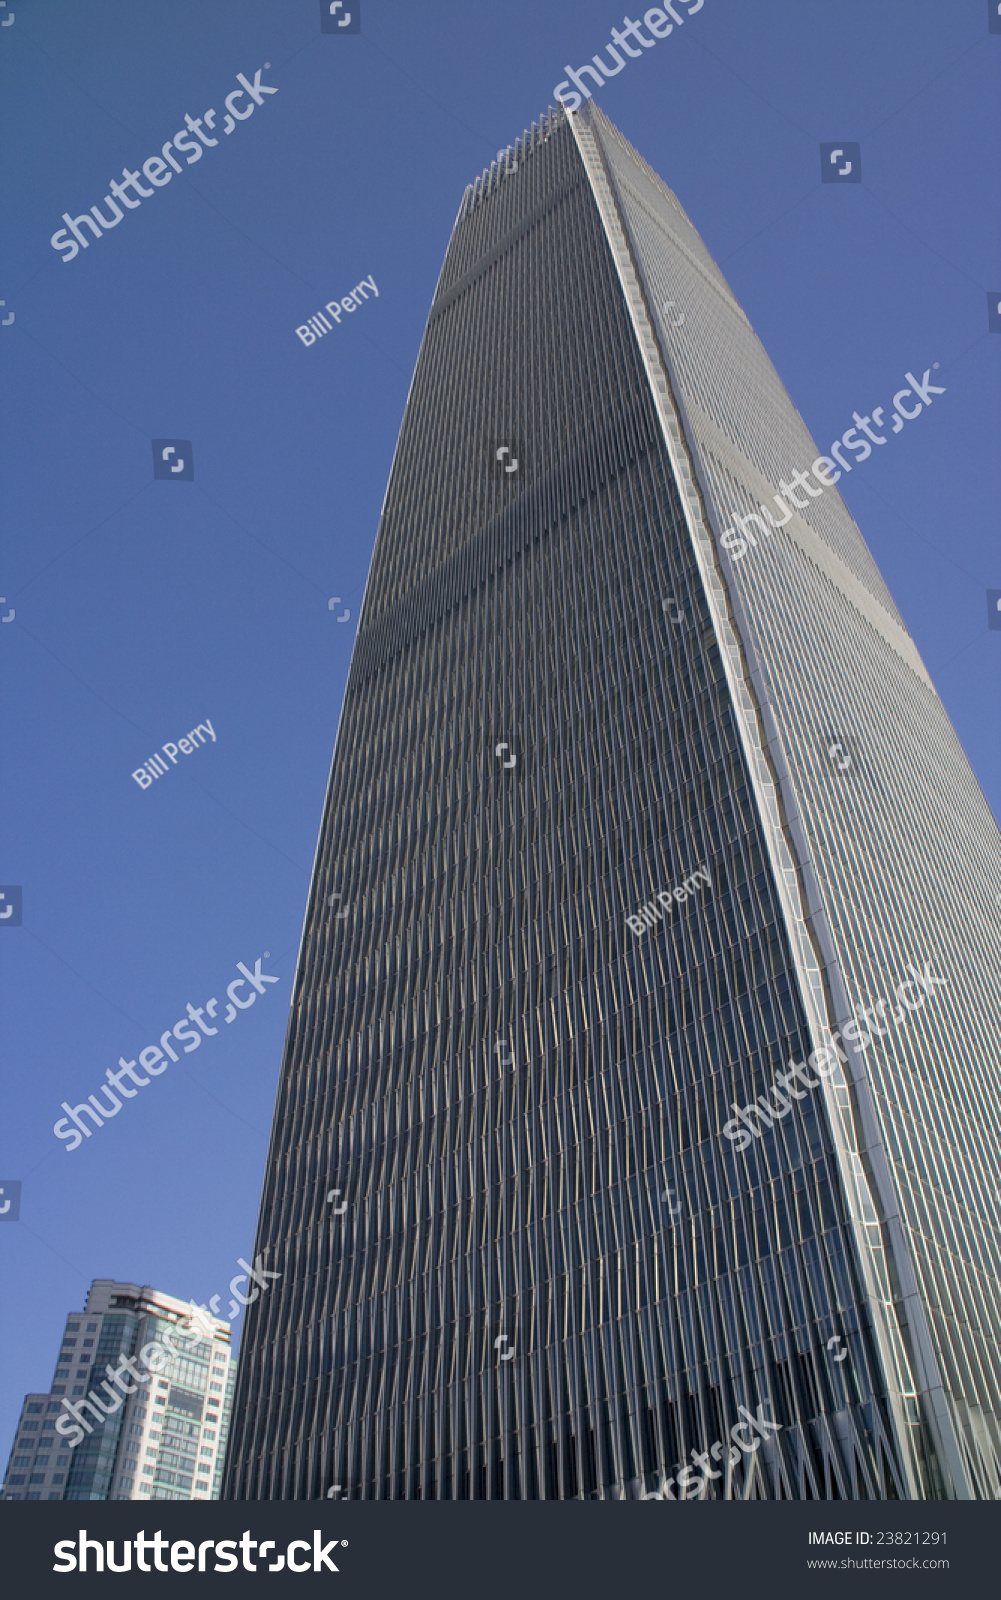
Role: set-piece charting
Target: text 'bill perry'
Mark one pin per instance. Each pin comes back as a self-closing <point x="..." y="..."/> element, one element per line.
<point x="318" y="325"/>
<point x="155" y="767"/>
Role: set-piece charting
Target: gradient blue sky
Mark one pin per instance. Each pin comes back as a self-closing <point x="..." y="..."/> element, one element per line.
<point x="143" y="608"/>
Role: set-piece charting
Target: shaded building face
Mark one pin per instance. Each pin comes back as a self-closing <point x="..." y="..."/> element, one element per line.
<point x="561" y="935"/>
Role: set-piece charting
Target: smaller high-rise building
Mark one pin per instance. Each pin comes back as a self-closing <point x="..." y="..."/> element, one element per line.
<point x="139" y="1406"/>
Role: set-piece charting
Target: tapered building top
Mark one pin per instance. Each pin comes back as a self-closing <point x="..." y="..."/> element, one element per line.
<point x="641" y="793"/>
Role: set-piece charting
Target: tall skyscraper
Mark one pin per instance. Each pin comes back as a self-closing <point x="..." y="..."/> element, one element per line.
<point x="159" y="1433"/>
<point x="641" y="798"/>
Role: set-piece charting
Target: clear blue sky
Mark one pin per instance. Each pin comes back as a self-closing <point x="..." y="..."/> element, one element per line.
<point x="144" y="608"/>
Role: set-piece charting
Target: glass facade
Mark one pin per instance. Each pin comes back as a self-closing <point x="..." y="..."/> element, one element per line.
<point x="520" y="1256"/>
<point x="93" y="1461"/>
<point x="40" y="1457"/>
<point x="160" y="1437"/>
<point x="894" y="846"/>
